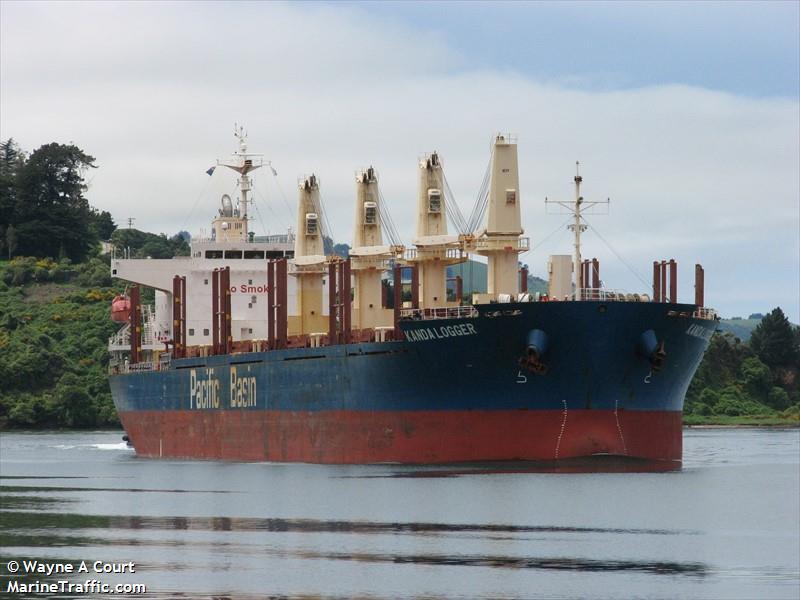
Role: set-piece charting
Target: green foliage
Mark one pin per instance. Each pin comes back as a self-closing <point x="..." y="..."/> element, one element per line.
<point x="50" y="214"/>
<point x="54" y="330"/>
<point x="734" y="402"/>
<point x="793" y="412"/>
<point x="778" y="398"/>
<point x="756" y="377"/>
<point x="737" y="378"/>
<point x="775" y="341"/>
<point x="102" y="225"/>
<point x="143" y="245"/>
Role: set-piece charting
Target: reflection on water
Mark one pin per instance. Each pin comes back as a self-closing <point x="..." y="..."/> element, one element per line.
<point x="726" y="526"/>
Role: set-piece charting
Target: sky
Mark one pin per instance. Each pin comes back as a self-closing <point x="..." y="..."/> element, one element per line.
<point x="685" y="115"/>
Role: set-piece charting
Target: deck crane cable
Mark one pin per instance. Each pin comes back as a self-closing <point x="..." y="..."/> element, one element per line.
<point x="453" y="211"/>
<point x="283" y="196"/>
<point x="561" y="228"/>
<point x="196" y="201"/>
<point x="386" y="221"/>
<point x="622" y="260"/>
<point x="481" y="201"/>
<point x="325" y="224"/>
<point x="258" y="212"/>
<point x="267" y="204"/>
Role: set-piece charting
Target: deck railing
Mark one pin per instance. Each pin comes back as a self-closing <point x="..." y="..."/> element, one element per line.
<point x="445" y="312"/>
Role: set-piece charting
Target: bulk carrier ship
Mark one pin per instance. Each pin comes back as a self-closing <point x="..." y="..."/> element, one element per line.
<point x="269" y="349"/>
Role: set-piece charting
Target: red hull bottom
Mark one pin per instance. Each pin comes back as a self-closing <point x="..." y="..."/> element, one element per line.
<point x="419" y="437"/>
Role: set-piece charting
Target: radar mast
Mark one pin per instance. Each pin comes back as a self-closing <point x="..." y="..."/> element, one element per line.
<point x="243" y="162"/>
<point x="576" y="208"/>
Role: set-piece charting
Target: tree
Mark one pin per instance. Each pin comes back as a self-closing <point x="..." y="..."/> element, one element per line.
<point x="11" y="160"/>
<point x="342" y="250"/>
<point x="51" y="211"/>
<point x="775" y="341"/>
<point x="103" y="224"/>
<point x="11" y="241"/>
<point x="757" y="378"/>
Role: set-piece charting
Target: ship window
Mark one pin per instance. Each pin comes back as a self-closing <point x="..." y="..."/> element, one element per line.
<point x="249" y="305"/>
<point x="511" y="196"/>
<point x="274" y="254"/>
<point x="434" y="201"/>
<point x="205" y="331"/>
<point x="253" y="299"/>
<point x="213" y="253"/>
<point x="233" y="254"/>
<point x="249" y="331"/>
<point x="253" y="254"/>
<point x="312" y="223"/>
<point x="370" y="213"/>
<point x="205" y="281"/>
<point x="191" y="331"/>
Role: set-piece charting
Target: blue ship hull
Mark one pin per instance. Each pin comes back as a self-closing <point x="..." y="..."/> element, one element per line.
<point x="454" y="390"/>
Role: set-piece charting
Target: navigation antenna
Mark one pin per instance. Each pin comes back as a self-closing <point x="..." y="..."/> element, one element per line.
<point x="243" y="162"/>
<point x="577" y="208"/>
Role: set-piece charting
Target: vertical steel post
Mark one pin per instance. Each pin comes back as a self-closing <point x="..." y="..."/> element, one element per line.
<point x="281" y="276"/>
<point x="215" y="311"/>
<point x="346" y="303"/>
<point x="183" y="317"/>
<point x="136" y="325"/>
<point x="656" y="281"/>
<point x="271" y="304"/>
<point x="663" y="281"/>
<point x="415" y="286"/>
<point x="398" y="298"/>
<point x="699" y="285"/>
<point x="331" y="303"/>
<point x="595" y="279"/>
<point x="523" y="280"/>
<point x="225" y="286"/>
<point x="673" y="281"/>
<point x="177" y="343"/>
<point x="340" y="302"/>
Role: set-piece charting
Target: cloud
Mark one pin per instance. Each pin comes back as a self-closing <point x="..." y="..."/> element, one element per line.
<point x="152" y="92"/>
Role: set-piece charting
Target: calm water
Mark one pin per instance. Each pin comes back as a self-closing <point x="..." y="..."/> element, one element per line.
<point x="726" y="526"/>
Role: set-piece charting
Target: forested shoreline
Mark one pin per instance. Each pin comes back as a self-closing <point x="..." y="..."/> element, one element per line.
<point x="56" y="289"/>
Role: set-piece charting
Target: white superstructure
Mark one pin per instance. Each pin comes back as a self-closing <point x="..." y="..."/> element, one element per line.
<point x="231" y="244"/>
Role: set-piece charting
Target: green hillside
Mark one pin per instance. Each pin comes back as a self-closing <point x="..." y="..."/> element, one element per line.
<point x="741" y="328"/>
<point x="54" y="330"/>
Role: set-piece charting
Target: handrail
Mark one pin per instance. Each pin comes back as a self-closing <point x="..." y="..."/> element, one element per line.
<point x="444" y="312"/>
<point x="705" y="313"/>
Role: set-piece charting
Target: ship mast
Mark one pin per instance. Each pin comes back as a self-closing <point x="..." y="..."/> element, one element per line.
<point x="576" y="209"/>
<point x="243" y="162"/>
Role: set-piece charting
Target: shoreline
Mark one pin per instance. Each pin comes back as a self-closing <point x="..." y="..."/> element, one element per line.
<point x="794" y="425"/>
